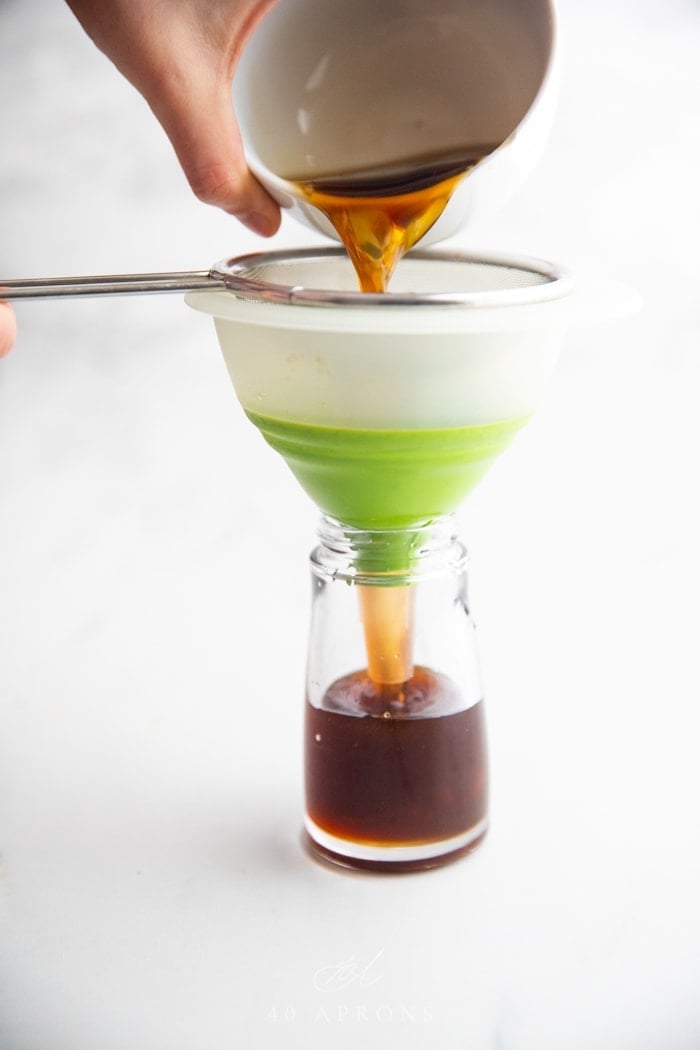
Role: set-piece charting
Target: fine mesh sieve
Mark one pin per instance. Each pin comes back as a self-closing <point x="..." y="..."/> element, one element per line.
<point x="324" y="277"/>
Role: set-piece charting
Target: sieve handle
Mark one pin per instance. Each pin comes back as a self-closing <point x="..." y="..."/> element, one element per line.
<point x="113" y="284"/>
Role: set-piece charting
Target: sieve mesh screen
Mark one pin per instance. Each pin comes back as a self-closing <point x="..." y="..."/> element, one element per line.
<point x="419" y="275"/>
<point x="322" y="276"/>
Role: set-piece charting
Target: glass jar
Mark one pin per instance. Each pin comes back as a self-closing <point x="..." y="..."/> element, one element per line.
<point x="395" y="748"/>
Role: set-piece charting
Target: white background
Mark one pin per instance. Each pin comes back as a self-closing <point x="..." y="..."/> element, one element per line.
<point x="154" y="602"/>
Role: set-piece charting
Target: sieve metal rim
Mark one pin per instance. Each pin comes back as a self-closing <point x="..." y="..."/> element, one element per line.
<point x="557" y="282"/>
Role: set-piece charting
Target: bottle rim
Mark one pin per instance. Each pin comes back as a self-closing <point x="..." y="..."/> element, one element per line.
<point x="388" y="557"/>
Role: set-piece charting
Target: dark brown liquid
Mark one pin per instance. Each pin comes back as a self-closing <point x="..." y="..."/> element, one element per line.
<point x="379" y="215"/>
<point x="395" y="765"/>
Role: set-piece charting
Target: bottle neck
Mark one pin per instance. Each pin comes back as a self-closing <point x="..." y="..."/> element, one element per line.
<point x="389" y="557"/>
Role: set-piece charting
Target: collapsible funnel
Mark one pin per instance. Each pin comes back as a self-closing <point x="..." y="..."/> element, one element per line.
<point x="388" y="408"/>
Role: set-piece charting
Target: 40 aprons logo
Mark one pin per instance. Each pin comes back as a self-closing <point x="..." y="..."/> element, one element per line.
<point x="342" y="975"/>
<point x="345" y="999"/>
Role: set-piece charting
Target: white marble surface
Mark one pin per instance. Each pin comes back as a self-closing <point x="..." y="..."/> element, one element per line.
<point x="153" y="604"/>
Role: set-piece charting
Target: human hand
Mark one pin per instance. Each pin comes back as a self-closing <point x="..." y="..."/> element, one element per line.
<point x="181" y="56"/>
<point x="8" y="328"/>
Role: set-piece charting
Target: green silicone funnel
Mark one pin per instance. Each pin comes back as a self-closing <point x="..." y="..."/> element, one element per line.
<point x="388" y="408"/>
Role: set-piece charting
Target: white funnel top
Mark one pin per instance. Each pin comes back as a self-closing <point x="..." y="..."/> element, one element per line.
<point x="459" y="340"/>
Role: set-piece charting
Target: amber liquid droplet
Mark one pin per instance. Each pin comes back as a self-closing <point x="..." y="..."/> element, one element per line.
<point x="380" y="215"/>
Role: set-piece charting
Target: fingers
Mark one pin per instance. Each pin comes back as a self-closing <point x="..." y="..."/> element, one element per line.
<point x="198" y="119"/>
<point x="218" y="175"/>
<point x="181" y="54"/>
<point x="8" y="329"/>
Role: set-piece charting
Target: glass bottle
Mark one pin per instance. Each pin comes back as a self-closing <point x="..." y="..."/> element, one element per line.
<point x="395" y="748"/>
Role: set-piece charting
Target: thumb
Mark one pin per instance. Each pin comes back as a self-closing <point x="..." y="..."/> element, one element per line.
<point x="198" y="119"/>
<point x="8" y="329"/>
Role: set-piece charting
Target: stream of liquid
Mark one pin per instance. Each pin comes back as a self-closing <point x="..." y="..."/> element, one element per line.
<point x="380" y="214"/>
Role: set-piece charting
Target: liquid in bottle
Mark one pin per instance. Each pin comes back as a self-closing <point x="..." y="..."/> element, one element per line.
<point x="395" y="766"/>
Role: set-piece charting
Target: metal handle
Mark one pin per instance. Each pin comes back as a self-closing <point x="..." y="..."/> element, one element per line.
<point x="113" y="284"/>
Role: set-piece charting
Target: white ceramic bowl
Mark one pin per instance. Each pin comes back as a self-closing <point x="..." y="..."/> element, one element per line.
<point x="334" y="86"/>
